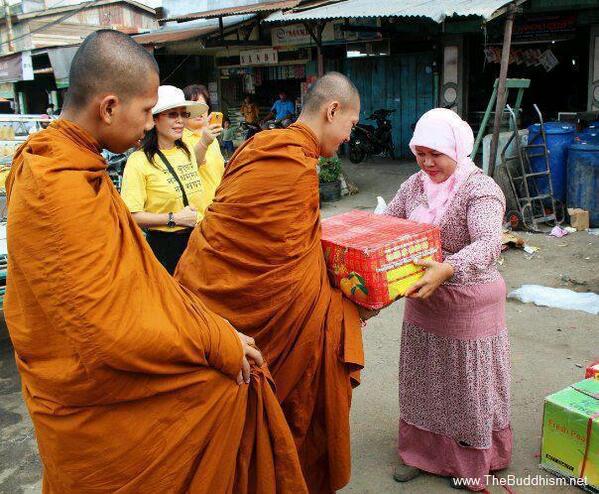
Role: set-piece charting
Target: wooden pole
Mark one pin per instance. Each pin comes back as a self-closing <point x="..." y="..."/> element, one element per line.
<point x="315" y="33"/>
<point x="11" y="47"/>
<point x="501" y="92"/>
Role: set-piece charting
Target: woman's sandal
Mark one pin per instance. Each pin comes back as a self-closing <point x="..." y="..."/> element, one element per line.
<point x="405" y="473"/>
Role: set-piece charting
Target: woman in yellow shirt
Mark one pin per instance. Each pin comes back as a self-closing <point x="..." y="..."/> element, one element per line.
<point x="249" y="110"/>
<point x="201" y="135"/>
<point x="161" y="185"/>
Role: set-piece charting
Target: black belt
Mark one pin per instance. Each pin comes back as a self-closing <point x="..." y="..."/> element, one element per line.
<point x="185" y="231"/>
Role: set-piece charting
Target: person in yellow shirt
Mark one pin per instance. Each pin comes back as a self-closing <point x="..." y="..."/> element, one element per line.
<point x="249" y="110"/>
<point x="161" y="185"/>
<point x="201" y="136"/>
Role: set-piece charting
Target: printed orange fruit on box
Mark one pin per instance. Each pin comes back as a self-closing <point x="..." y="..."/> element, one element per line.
<point x="371" y="257"/>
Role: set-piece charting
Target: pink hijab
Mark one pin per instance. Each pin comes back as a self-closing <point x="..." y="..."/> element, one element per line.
<point x="444" y="131"/>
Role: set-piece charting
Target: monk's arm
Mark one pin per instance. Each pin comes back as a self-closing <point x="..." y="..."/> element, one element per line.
<point x="102" y="288"/>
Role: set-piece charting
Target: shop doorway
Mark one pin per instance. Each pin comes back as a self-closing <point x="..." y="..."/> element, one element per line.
<point x="402" y="82"/>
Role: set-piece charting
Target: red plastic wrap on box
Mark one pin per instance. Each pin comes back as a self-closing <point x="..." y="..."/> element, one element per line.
<point x="370" y="257"/>
<point x="592" y="370"/>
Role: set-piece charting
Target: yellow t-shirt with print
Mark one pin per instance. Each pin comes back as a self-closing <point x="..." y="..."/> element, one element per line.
<point x="150" y="187"/>
<point x="213" y="168"/>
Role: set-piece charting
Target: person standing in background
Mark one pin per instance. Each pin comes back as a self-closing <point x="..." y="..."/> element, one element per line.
<point x="161" y="184"/>
<point x="202" y="136"/>
<point x="282" y="111"/>
<point x="228" y="136"/>
<point x="249" y="110"/>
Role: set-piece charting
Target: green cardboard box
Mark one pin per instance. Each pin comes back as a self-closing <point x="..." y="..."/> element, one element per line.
<point x="570" y="444"/>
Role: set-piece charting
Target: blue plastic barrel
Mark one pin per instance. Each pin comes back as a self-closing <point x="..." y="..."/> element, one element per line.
<point x="583" y="179"/>
<point x="559" y="136"/>
<point x="587" y="135"/>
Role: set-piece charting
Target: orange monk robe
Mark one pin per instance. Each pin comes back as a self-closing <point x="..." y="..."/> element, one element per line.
<point x="256" y="259"/>
<point x="128" y="378"/>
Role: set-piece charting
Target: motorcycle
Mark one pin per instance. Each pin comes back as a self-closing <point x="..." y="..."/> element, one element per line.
<point x="367" y="140"/>
<point x="116" y="165"/>
<point x="253" y="128"/>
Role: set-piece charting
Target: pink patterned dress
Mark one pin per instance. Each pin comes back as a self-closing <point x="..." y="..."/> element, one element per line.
<point x="454" y="374"/>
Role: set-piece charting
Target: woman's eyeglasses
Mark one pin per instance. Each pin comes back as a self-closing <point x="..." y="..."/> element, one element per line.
<point x="173" y="115"/>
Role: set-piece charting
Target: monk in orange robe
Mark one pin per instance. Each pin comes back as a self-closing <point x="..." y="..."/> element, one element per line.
<point x="256" y="259"/>
<point x="134" y="387"/>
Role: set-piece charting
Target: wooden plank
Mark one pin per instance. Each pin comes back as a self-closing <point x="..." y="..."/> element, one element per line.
<point x="424" y="102"/>
<point x="408" y="99"/>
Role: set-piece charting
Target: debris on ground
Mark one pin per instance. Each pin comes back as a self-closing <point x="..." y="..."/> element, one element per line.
<point x="381" y="205"/>
<point x="567" y="279"/>
<point x="558" y="232"/>
<point x="559" y="298"/>
<point x="510" y="239"/>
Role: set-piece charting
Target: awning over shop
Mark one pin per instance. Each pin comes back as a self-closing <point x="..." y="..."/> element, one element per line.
<point x="240" y="10"/>
<point x="437" y="10"/>
<point x="61" y="59"/>
<point x="170" y="34"/>
<point x="17" y="67"/>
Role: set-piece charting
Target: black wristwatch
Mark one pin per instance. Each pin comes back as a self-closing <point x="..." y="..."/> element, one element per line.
<point x="171" y="221"/>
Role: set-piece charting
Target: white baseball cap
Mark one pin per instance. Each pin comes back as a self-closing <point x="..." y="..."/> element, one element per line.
<point x="170" y="97"/>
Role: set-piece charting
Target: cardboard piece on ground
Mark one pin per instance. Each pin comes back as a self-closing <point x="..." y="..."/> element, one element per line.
<point x="570" y="444"/>
<point x="510" y="239"/>
<point x="579" y="218"/>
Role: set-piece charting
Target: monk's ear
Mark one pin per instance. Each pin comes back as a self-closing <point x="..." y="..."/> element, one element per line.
<point x="332" y="109"/>
<point x="108" y="106"/>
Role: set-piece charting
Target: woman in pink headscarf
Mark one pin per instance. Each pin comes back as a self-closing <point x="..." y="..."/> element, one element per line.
<point x="454" y="376"/>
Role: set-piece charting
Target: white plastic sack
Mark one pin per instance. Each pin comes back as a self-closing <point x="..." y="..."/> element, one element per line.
<point x="381" y="205"/>
<point x="560" y="298"/>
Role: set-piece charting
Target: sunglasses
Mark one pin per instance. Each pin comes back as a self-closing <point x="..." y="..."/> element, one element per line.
<point x="173" y="115"/>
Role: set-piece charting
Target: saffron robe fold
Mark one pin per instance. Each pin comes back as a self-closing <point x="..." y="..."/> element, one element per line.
<point x="256" y="259"/>
<point x="129" y="379"/>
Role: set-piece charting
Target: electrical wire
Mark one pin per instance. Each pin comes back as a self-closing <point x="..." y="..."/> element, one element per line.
<point x="176" y="68"/>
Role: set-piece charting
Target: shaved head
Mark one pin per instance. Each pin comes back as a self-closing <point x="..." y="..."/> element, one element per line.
<point x="333" y="86"/>
<point x="331" y="109"/>
<point x="108" y="62"/>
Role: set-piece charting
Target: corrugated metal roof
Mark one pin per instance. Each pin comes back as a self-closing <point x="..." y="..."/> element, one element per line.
<point x="171" y="35"/>
<point x="90" y="4"/>
<point x="436" y="10"/>
<point x="240" y="10"/>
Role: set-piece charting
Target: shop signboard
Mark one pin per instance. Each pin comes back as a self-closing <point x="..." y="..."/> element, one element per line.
<point x="17" y="67"/>
<point x="266" y="56"/>
<point x="353" y="29"/>
<point x="293" y="35"/>
<point x="537" y="28"/>
<point x="544" y="27"/>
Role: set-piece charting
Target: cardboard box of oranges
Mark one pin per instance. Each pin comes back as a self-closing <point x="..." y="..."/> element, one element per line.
<point x="370" y="257"/>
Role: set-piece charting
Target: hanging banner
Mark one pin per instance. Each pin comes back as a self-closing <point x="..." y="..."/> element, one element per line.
<point x="60" y="59"/>
<point x="265" y="56"/>
<point x="7" y="90"/>
<point x="17" y="67"/>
